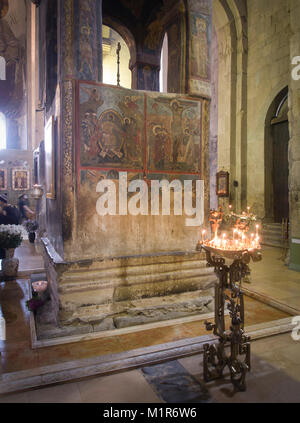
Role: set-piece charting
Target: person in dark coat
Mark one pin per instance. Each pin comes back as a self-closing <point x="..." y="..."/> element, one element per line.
<point x="25" y="211"/>
<point x="9" y="215"/>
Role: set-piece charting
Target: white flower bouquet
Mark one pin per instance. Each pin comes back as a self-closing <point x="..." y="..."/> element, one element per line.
<point x="10" y="236"/>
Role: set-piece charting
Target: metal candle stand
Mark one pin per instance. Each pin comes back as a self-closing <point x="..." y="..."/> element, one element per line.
<point x="228" y="291"/>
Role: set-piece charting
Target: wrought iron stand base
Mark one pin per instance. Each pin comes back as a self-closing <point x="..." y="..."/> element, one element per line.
<point x="228" y="291"/>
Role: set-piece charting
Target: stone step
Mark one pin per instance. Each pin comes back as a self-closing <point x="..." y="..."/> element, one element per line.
<point x="125" y="314"/>
<point x="110" y="273"/>
<point x="272" y="243"/>
<point x="276" y="227"/>
<point x="133" y="261"/>
<point x="271" y="235"/>
<point x="272" y="230"/>
<point x="70" y="300"/>
<point x="104" y="282"/>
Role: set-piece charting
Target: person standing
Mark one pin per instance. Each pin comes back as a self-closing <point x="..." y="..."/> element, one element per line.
<point x="25" y="211"/>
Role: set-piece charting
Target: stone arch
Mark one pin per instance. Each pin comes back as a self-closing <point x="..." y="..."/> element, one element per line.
<point x="127" y="36"/>
<point x="110" y="40"/>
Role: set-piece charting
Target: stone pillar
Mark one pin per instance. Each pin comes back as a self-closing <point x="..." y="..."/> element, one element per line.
<point x="198" y="73"/>
<point x="81" y="39"/>
<point x="80" y="58"/>
<point x="145" y="76"/>
<point x="294" y="144"/>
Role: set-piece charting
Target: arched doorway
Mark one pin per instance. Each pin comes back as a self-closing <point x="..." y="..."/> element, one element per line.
<point x="280" y="135"/>
<point x="110" y="40"/>
<point x="276" y="159"/>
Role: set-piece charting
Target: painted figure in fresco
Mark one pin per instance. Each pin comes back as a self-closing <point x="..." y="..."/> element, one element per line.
<point x="183" y="121"/>
<point x="133" y="140"/>
<point x="86" y="35"/>
<point x="88" y="116"/>
<point x="200" y="48"/>
<point x="93" y="103"/>
<point x="176" y="127"/>
<point x="88" y="124"/>
<point x="155" y="30"/>
<point x="110" y="137"/>
<point x="162" y="146"/>
<point x="3" y="8"/>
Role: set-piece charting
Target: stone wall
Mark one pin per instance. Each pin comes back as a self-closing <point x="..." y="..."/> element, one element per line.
<point x="294" y="147"/>
<point x="268" y="73"/>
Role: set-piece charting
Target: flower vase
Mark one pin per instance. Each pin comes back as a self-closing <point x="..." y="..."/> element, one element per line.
<point x="10" y="264"/>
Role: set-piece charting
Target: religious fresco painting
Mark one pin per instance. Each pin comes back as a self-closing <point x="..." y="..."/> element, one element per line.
<point x="174" y="56"/>
<point x="88" y="55"/>
<point x="111" y="130"/>
<point x="116" y="124"/>
<point x="20" y="179"/>
<point x="173" y="133"/>
<point x="200" y="40"/>
<point x="3" y="179"/>
<point x="203" y="6"/>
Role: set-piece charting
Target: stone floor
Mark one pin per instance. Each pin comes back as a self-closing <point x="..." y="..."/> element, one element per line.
<point x="275" y="374"/>
<point x="275" y="378"/>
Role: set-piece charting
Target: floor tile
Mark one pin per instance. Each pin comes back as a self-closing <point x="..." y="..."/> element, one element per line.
<point x="174" y="384"/>
<point x="66" y="393"/>
<point x="22" y="397"/>
<point x="127" y="387"/>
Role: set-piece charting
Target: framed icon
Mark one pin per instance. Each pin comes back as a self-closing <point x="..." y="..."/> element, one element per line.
<point x="222" y="184"/>
<point x="3" y="179"/>
<point x="20" y="179"/>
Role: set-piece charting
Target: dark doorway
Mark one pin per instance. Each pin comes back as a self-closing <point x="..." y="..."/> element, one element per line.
<point x="280" y="136"/>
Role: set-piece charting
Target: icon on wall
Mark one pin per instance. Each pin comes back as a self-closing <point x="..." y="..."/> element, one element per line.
<point x="3" y="179"/>
<point x="20" y="179"/>
<point x="222" y="184"/>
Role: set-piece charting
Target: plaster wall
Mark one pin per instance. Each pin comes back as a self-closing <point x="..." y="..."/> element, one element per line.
<point x="268" y="73"/>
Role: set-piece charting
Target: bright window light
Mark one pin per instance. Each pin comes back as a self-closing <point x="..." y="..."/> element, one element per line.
<point x="2" y="132"/>
<point x="163" y="74"/>
<point x="2" y="69"/>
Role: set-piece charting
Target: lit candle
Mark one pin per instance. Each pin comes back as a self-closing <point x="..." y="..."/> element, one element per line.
<point x="203" y="233"/>
<point x="223" y="241"/>
<point x="257" y="226"/>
